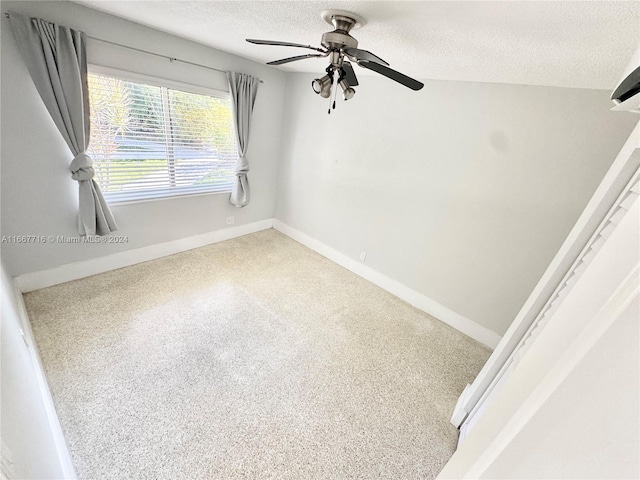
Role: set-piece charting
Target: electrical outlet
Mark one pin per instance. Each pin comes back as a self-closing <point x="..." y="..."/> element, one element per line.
<point x="231" y="220"/>
<point x="363" y="256"/>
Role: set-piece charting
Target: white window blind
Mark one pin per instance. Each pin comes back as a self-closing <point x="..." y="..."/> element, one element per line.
<point x="151" y="141"/>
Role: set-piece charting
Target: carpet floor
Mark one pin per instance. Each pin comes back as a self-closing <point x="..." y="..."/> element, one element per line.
<point x="250" y="358"/>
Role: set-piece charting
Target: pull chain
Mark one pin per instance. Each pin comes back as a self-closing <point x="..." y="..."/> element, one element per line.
<point x="332" y="101"/>
<point x="335" y="91"/>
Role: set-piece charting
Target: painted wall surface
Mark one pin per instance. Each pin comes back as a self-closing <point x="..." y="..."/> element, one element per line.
<point x="38" y="195"/>
<point x="590" y="426"/>
<point x="569" y="407"/>
<point x="462" y="191"/>
<point x="28" y="448"/>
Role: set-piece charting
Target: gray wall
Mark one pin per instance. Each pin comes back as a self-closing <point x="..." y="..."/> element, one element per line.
<point x="567" y="408"/>
<point x="38" y="195"/>
<point x="462" y="191"/>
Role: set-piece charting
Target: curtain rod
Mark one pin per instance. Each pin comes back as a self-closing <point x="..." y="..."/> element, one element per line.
<point x="171" y="59"/>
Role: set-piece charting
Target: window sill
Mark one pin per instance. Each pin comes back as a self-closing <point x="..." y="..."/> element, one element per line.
<point x="117" y="203"/>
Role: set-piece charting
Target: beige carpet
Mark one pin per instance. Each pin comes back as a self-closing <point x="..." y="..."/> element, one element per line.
<point x="251" y="358"/>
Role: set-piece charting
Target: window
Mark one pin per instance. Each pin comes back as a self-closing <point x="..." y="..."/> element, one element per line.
<point x="150" y="140"/>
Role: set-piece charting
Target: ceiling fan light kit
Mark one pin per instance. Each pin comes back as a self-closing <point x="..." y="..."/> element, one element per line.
<point x="322" y="86"/>
<point x="342" y="50"/>
<point x="347" y="91"/>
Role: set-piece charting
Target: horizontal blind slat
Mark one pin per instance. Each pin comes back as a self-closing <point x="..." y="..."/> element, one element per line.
<point x="154" y="142"/>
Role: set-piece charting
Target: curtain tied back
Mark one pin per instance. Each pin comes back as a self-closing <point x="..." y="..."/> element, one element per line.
<point x="56" y="58"/>
<point x="82" y="167"/>
<point x="243" y="89"/>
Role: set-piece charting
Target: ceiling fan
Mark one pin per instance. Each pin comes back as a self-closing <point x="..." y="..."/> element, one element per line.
<point x="342" y="49"/>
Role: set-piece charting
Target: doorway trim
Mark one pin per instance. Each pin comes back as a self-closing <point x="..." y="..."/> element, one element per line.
<point x="589" y="231"/>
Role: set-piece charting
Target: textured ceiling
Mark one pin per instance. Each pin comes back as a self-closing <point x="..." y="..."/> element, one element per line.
<point x="557" y="43"/>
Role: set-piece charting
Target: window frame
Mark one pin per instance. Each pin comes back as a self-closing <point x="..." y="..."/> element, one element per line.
<point x="171" y="84"/>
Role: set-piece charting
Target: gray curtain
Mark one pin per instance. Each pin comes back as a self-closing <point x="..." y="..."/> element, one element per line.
<point x="57" y="61"/>
<point x="243" y="89"/>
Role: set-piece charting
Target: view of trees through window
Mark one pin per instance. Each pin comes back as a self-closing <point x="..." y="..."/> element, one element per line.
<point x="149" y="141"/>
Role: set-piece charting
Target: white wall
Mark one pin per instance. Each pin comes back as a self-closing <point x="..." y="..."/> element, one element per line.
<point x="38" y="195"/>
<point x="461" y="191"/>
<point x="569" y="409"/>
<point x="28" y="446"/>
<point x="589" y="428"/>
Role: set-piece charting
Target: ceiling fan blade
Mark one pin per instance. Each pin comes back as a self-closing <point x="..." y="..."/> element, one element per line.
<point x="364" y="55"/>
<point x="294" y="59"/>
<point x="393" y="75"/>
<point x="283" y="44"/>
<point x="349" y="74"/>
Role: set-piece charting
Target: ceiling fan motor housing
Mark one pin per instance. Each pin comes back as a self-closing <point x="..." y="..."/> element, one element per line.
<point x="339" y="45"/>
<point x="340" y="38"/>
<point x="337" y="40"/>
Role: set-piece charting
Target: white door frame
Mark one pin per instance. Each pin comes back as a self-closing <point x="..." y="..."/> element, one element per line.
<point x="606" y="293"/>
<point x="564" y="266"/>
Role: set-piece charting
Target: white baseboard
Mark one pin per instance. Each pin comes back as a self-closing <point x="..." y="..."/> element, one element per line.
<point x="74" y="271"/>
<point x="62" y="449"/>
<point x="458" y="415"/>
<point x="418" y="300"/>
